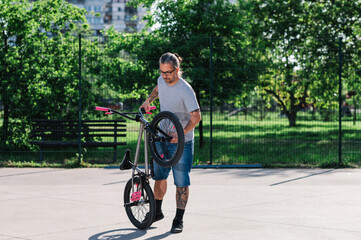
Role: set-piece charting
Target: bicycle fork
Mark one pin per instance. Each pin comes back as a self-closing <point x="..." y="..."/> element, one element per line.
<point x="143" y="176"/>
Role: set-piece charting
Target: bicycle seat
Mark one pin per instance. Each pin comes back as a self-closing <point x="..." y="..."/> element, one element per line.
<point x="126" y="162"/>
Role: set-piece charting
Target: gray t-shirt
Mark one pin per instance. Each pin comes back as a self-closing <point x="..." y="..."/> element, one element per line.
<point x="179" y="99"/>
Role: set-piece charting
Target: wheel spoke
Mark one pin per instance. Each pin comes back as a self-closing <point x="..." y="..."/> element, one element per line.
<point x="140" y="208"/>
<point x="140" y="212"/>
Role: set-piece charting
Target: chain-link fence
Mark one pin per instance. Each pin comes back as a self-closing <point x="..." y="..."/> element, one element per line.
<point x="275" y="108"/>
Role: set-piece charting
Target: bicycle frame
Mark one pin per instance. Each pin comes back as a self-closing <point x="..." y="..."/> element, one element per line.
<point x="137" y="151"/>
<point x="143" y="129"/>
<point x="138" y="195"/>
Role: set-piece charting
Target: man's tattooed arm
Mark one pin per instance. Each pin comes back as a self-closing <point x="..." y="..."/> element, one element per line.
<point x="154" y="95"/>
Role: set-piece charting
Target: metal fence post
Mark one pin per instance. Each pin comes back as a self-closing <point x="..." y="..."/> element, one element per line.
<point x="79" y="118"/>
<point x="340" y="101"/>
<point x="211" y="99"/>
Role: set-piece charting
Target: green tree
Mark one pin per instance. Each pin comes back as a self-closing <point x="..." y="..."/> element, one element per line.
<point x="302" y="49"/>
<point x="188" y="27"/>
<point x="114" y="66"/>
<point x="38" y="62"/>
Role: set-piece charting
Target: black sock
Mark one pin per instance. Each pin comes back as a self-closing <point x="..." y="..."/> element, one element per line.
<point x="158" y="205"/>
<point x="179" y="214"/>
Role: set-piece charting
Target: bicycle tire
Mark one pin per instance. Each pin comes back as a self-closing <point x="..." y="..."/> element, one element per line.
<point x="176" y="127"/>
<point x="141" y="213"/>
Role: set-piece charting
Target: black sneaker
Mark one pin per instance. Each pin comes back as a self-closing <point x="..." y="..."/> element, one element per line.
<point x="158" y="216"/>
<point x="177" y="226"/>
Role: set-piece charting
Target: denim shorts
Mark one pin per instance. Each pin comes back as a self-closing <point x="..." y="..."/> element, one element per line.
<point x="180" y="170"/>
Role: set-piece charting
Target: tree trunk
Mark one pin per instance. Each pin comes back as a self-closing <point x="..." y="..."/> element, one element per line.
<point x="222" y="106"/>
<point x="245" y="111"/>
<point x="354" y="111"/>
<point x="292" y="115"/>
<point x="313" y="112"/>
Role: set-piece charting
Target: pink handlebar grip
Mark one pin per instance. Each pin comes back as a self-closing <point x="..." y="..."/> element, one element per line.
<point x="102" y="109"/>
<point x="151" y="108"/>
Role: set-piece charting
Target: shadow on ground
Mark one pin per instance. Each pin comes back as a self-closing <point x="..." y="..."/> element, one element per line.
<point x="125" y="234"/>
<point x="289" y="176"/>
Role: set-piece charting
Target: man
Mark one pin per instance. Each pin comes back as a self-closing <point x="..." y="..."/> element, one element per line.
<point x="177" y="96"/>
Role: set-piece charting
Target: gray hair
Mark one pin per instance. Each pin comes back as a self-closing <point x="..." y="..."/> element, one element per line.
<point x="172" y="58"/>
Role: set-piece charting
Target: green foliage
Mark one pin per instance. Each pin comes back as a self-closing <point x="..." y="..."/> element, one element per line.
<point x="302" y="49"/>
<point x="185" y="27"/>
<point x="38" y="62"/>
<point x="18" y="138"/>
<point x="313" y="143"/>
<point x="286" y="50"/>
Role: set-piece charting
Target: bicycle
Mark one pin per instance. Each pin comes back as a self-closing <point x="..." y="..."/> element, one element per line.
<point x="139" y="199"/>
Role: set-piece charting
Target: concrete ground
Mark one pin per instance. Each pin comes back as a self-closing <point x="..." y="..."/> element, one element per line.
<point x="71" y="204"/>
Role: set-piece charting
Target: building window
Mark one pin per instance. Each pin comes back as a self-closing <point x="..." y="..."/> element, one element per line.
<point x="119" y="9"/>
<point x="97" y="8"/>
<point x="130" y="10"/>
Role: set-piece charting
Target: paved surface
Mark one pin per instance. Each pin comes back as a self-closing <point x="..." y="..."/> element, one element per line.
<point x="71" y="204"/>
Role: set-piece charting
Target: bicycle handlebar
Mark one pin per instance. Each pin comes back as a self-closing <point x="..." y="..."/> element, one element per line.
<point x="102" y="109"/>
<point x="151" y="108"/>
<point x="124" y="114"/>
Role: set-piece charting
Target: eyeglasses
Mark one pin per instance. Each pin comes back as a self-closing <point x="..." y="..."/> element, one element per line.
<point x="166" y="73"/>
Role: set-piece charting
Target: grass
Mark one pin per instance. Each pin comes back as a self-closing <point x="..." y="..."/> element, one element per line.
<point x="236" y="140"/>
<point x="273" y="143"/>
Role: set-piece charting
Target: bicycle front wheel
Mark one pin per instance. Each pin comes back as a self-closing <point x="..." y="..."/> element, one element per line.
<point x="139" y="203"/>
<point x="166" y="124"/>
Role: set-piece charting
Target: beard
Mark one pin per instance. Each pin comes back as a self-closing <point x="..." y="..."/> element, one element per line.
<point x="170" y="80"/>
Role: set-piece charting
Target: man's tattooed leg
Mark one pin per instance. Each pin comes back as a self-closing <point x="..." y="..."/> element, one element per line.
<point x="182" y="197"/>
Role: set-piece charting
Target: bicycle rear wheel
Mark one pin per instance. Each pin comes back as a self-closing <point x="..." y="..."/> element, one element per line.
<point x="164" y="124"/>
<point x="139" y="204"/>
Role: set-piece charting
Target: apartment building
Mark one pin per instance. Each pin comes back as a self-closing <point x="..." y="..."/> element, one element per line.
<point x="115" y="13"/>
